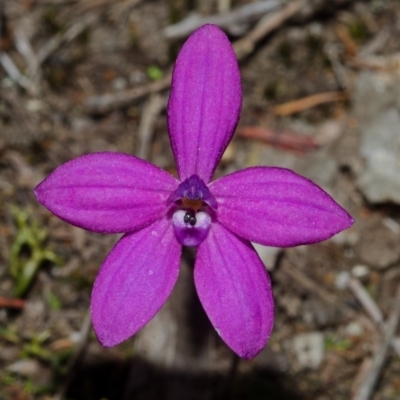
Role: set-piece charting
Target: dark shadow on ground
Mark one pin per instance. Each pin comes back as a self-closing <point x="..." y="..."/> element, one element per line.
<point x="105" y="379"/>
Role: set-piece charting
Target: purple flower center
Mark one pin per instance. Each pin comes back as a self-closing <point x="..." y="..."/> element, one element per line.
<point x="192" y="206"/>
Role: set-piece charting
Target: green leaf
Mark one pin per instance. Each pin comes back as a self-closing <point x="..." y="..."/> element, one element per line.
<point x="29" y="250"/>
<point x="154" y="73"/>
<point x="52" y="300"/>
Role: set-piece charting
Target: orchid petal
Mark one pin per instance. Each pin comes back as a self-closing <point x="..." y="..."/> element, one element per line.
<point x="276" y="207"/>
<point x="107" y="192"/>
<point x="205" y="102"/>
<point x="235" y="291"/>
<point x="134" y="282"/>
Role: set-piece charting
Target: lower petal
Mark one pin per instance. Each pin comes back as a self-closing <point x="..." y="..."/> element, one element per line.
<point x="134" y="282"/>
<point x="235" y="291"/>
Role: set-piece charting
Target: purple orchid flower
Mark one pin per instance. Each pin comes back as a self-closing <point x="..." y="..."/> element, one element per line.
<point x="119" y="193"/>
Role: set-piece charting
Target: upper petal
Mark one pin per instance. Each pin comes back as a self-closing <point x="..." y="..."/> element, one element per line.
<point x="277" y="207"/>
<point x="235" y="291"/>
<point x="205" y="102"/>
<point x="107" y="192"/>
<point x="134" y="282"/>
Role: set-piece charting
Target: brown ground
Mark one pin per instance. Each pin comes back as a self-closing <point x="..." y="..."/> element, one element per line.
<point x="119" y="45"/>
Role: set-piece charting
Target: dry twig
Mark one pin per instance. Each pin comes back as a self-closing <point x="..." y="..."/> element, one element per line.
<point x="73" y="361"/>
<point x="309" y="284"/>
<point x="124" y="7"/>
<point x="25" y="49"/>
<point x="349" y="45"/>
<point x="30" y="81"/>
<point x="332" y="53"/>
<point x="23" y="46"/>
<point x="54" y="43"/>
<point x="370" y="307"/>
<point x="11" y="303"/>
<point x="224" y="5"/>
<point x="366" y="388"/>
<point x="319" y="290"/>
<point x="267" y="24"/>
<point x="14" y="73"/>
<point x="286" y="140"/>
<point x="150" y="113"/>
<point x="377" y="43"/>
<point x="111" y="101"/>
<point x="366" y="301"/>
<point x="87" y="5"/>
<point x="295" y="106"/>
<point x="224" y="20"/>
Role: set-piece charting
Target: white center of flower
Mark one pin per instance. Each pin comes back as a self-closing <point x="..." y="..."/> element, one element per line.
<point x="192" y="231"/>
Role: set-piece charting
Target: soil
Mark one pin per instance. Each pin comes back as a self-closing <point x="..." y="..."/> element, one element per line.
<point x="47" y="350"/>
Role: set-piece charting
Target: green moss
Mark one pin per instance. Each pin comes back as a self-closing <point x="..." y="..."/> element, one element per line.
<point x="334" y="343"/>
<point x="154" y="73"/>
<point x="29" y="251"/>
<point x="358" y="30"/>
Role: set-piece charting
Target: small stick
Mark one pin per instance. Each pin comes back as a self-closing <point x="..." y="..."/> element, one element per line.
<point x="286" y="140"/>
<point x="54" y="43"/>
<point x="370" y="307"/>
<point x="224" y="20"/>
<point x="111" y="101"/>
<point x="58" y="2"/>
<point x="25" y="49"/>
<point x="150" y="113"/>
<point x="14" y="73"/>
<point x="87" y="5"/>
<point x="361" y="374"/>
<point x="348" y="42"/>
<point x="224" y="5"/>
<point x="124" y="7"/>
<point x="396" y="345"/>
<point x="23" y="46"/>
<point x="366" y="388"/>
<point x="242" y="47"/>
<point x="366" y="301"/>
<point x="339" y="70"/>
<point x="266" y="25"/>
<point x="295" y="106"/>
<point x="11" y="303"/>
<point x="73" y="361"/>
<point x="309" y="284"/>
<point x="377" y="43"/>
